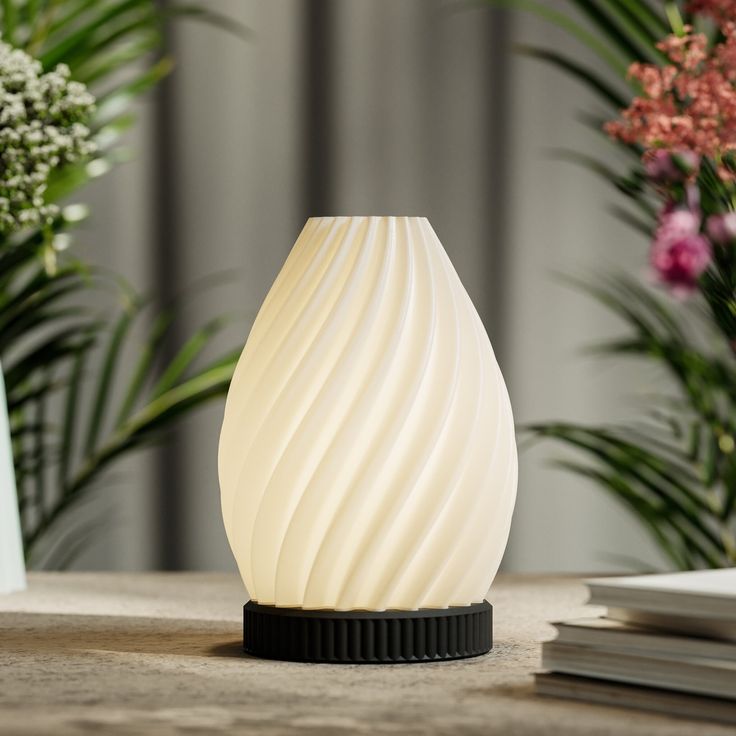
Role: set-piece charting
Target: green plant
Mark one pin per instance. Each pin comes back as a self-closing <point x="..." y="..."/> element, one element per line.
<point x="60" y="357"/>
<point x="675" y="468"/>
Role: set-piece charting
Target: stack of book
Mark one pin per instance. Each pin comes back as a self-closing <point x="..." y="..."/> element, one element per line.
<point x="666" y="643"/>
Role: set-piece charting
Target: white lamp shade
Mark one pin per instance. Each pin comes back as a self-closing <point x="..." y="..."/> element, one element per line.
<point x="367" y="457"/>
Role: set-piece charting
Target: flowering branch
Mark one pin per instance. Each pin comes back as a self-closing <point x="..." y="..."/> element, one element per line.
<point x="42" y="127"/>
<point x="689" y="104"/>
<point x="684" y="121"/>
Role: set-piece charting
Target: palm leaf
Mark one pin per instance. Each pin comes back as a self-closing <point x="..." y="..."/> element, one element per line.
<point x="145" y="364"/>
<point x="590" y="79"/>
<point x="658" y="489"/>
<point x="110" y="363"/>
<point x="69" y="46"/>
<point x="611" y="56"/>
<point x="162" y="391"/>
<point x="643" y="15"/>
<point x="631" y="38"/>
<point x="97" y="68"/>
<point x="647" y="514"/>
<point x="675" y="487"/>
<point x="10" y="20"/>
<point x="53" y="349"/>
<point x="639" y="225"/>
<point x="205" y="14"/>
<point x="72" y="401"/>
<point x="630" y="186"/>
<point x="183" y="360"/>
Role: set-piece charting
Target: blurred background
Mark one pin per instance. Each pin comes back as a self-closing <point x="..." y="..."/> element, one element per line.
<point x="343" y="107"/>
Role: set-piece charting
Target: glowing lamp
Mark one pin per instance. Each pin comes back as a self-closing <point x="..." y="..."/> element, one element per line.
<point x="367" y="458"/>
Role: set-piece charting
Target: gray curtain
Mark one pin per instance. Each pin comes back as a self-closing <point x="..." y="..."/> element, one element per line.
<point x="411" y="107"/>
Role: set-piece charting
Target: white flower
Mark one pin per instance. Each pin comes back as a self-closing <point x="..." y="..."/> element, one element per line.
<point x="42" y="127"/>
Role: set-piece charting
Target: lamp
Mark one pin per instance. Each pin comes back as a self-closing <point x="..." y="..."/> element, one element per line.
<point x="367" y="458"/>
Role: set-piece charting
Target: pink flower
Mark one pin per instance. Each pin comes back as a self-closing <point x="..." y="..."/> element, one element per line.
<point x="677" y="223"/>
<point x="681" y="263"/>
<point x="679" y="253"/>
<point x="670" y="167"/>
<point x="721" y="229"/>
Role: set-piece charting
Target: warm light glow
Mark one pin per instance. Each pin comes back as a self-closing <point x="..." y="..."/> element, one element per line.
<point x="367" y="456"/>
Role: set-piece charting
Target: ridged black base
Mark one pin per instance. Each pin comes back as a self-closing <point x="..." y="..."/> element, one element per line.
<point x="367" y="637"/>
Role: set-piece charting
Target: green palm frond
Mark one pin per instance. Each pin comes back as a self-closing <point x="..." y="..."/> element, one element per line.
<point x="676" y="472"/>
<point x="145" y="404"/>
<point x="593" y="81"/>
<point x="625" y="29"/>
<point x="614" y="57"/>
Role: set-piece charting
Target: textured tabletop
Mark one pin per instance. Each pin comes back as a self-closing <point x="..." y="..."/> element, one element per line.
<point x="161" y="653"/>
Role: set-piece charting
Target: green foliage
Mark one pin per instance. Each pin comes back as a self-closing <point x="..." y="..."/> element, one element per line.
<point x="73" y="411"/>
<point x="104" y="415"/>
<point x="676" y="468"/>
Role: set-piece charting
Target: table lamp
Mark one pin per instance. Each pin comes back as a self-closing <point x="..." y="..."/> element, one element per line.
<point x="367" y="458"/>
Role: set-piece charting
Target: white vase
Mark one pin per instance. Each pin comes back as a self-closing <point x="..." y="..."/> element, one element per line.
<point x="12" y="565"/>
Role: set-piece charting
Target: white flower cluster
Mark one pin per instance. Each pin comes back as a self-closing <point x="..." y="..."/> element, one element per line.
<point x="42" y="127"/>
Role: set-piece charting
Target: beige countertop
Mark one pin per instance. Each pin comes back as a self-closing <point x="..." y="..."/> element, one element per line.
<point x="87" y="653"/>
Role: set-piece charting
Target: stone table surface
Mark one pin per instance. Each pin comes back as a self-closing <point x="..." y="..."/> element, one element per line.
<point x="88" y="653"/>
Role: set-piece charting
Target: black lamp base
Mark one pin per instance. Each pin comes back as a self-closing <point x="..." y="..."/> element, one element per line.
<point x="367" y="637"/>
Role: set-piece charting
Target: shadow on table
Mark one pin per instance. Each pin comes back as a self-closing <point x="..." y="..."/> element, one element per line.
<point x="35" y="632"/>
<point x="49" y="633"/>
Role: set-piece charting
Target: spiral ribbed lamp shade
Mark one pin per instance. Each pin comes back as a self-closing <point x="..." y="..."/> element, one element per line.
<point x="367" y="458"/>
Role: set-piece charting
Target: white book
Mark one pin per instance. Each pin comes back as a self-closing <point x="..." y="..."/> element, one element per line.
<point x="713" y="628"/>
<point x="706" y="594"/>
<point x="629" y="696"/>
<point x="610" y="635"/>
<point x="698" y="603"/>
<point x="692" y="675"/>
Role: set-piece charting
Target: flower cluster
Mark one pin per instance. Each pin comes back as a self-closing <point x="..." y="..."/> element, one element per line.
<point x="685" y="240"/>
<point x="684" y="121"/>
<point x="42" y="127"/>
<point x="687" y="104"/>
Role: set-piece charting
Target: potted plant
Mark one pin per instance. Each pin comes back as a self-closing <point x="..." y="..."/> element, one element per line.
<point x="70" y="74"/>
<point x="670" y="92"/>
